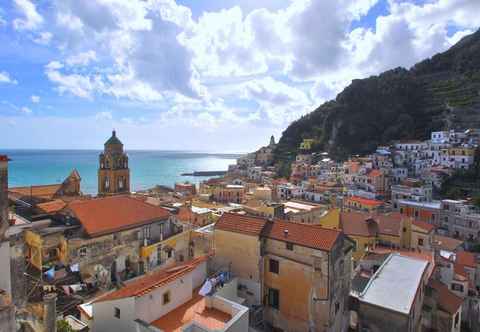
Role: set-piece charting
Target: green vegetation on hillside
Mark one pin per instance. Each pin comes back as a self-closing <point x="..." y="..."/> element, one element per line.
<point x="437" y="93"/>
<point x="464" y="183"/>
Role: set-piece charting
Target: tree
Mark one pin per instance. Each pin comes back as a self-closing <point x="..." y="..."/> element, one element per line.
<point x="63" y="326"/>
<point x="476" y="201"/>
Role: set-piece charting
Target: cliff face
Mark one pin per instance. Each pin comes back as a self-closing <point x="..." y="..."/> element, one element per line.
<point x="437" y="93"/>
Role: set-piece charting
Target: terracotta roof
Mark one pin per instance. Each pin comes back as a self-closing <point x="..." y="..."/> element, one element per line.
<point x="44" y="191"/>
<point x="466" y="258"/>
<point x="360" y="224"/>
<point x="447" y="243"/>
<point x="354" y="223"/>
<point x="446" y="299"/>
<point x="184" y="214"/>
<point x="365" y="201"/>
<point x="52" y="206"/>
<point x="375" y="173"/>
<point x="4" y="158"/>
<point x="112" y="214"/>
<point x="460" y="270"/>
<point x="311" y="236"/>
<point x="74" y="175"/>
<point x="241" y="224"/>
<point x="193" y="310"/>
<point x="147" y="283"/>
<point x="423" y="225"/>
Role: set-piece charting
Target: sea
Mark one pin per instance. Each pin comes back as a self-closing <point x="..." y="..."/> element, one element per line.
<point x="147" y="168"/>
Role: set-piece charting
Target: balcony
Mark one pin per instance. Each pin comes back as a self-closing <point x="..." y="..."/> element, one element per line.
<point x="171" y="241"/>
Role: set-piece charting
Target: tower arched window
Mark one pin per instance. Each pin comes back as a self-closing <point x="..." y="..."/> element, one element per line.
<point x="107" y="183"/>
<point x="120" y="183"/>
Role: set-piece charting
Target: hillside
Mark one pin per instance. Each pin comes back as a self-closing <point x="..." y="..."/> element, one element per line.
<point x="437" y="93"/>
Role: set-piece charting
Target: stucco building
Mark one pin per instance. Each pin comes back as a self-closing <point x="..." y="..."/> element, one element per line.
<point x="299" y="273"/>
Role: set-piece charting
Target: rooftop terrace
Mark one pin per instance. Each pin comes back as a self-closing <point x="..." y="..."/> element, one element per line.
<point x="193" y="311"/>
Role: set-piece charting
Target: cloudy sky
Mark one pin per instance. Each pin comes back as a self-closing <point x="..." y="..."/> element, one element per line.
<point x="198" y="74"/>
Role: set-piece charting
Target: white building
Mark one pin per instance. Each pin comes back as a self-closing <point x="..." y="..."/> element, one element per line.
<point x="169" y="300"/>
<point x="254" y="173"/>
<point x="439" y="137"/>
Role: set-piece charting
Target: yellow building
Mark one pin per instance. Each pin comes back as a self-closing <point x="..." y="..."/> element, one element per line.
<point x="230" y="193"/>
<point x="46" y="246"/>
<point x="306" y="144"/>
<point x="369" y="231"/>
<point x="421" y="235"/>
<point x="284" y="265"/>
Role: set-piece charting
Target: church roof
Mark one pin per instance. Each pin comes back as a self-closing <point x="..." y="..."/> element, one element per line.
<point x="74" y="175"/>
<point x="113" y="140"/>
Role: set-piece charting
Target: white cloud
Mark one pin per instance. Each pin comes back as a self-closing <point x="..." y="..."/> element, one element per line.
<point x="101" y="116"/>
<point x="79" y="85"/>
<point x="262" y="67"/>
<point x="43" y="38"/>
<point x="31" y="18"/>
<point x="5" y="78"/>
<point x="25" y="110"/>
<point x="35" y="99"/>
<point x="81" y="59"/>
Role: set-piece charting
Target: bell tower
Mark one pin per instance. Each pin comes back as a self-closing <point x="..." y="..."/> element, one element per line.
<point x="113" y="171"/>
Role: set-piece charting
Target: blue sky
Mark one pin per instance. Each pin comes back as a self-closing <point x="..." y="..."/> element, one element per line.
<point x="198" y="75"/>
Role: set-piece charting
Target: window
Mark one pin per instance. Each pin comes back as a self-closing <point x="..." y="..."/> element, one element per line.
<point x="166" y="298"/>
<point x="420" y="242"/>
<point x="117" y="312"/>
<point x="337" y="307"/>
<point x="274" y="266"/>
<point x="457" y="287"/>
<point x="289" y="246"/>
<point x="146" y="232"/>
<point x="274" y="298"/>
<point x="457" y="318"/>
<point x="82" y="252"/>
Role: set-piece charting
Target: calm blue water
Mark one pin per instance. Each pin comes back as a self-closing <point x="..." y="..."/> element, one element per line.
<point x="147" y="168"/>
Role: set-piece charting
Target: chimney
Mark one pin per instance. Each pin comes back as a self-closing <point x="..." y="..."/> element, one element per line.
<point x="285" y="233"/>
<point x="49" y="312"/>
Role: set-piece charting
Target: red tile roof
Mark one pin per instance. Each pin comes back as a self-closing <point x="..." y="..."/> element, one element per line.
<point x="355" y="223"/>
<point x="193" y="310"/>
<point x="147" y="283"/>
<point x="365" y="201"/>
<point x="241" y="224"/>
<point x="375" y="173"/>
<point x="52" y="206"/>
<point x="446" y="299"/>
<point x="112" y="214"/>
<point x="311" y="236"/>
<point x="3" y="158"/>
<point x="45" y="191"/>
<point x="423" y="225"/>
<point x="447" y="243"/>
<point x="359" y="224"/>
<point x="466" y="258"/>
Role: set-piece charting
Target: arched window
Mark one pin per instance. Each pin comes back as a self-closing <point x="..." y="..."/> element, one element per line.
<point x="120" y="183"/>
<point x="107" y="183"/>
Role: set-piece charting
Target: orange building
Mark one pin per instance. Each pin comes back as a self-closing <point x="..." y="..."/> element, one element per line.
<point x="362" y="204"/>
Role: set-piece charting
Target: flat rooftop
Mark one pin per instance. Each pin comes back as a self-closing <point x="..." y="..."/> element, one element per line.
<point x="395" y="283"/>
<point x="299" y="206"/>
<point x="429" y="205"/>
<point x="192" y="311"/>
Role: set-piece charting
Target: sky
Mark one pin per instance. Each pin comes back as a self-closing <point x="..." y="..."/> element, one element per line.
<point x="209" y="75"/>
